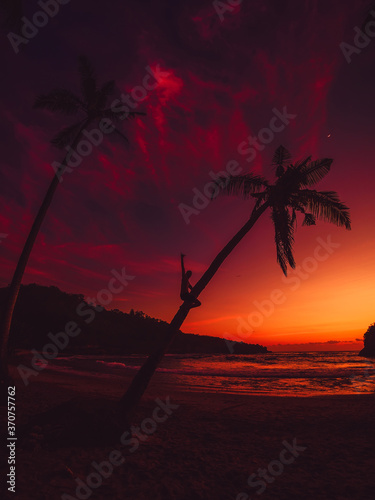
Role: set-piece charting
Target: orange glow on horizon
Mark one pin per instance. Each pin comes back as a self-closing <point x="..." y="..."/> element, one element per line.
<point x="328" y="297"/>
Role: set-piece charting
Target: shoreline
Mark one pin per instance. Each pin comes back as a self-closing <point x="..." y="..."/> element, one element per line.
<point x="207" y="448"/>
<point x="186" y="376"/>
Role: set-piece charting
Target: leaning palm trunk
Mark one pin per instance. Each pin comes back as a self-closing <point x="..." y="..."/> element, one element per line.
<point x="287" y="196"/>
<point x="144" y="375"/>
<point x="15" y="285"/>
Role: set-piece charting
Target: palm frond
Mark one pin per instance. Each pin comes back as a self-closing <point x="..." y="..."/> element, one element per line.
<point x="118" y="116"/>
<point x="280" y="160"/>
<point x="326" y="205"/>
<point x="281" y="156"/>
<point x="309" y="220"/>
<point x="61" y="100"/>
<point x="67" y="135"/>
<point x="314" y="171"/>
<point x="260" y="198"/>
<point x="106" y="90"/>
<point x="300" y="164"/>
<point x="88" y="79"/>
<point x="294" y="217"/>
<point x="117" y="131"/>
<point x="244" y="185"/>
<point x="284" y="237"/>
<point x="296" y="205"/>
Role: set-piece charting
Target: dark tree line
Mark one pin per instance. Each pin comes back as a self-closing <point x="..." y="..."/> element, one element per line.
<point x="42" y="310"/>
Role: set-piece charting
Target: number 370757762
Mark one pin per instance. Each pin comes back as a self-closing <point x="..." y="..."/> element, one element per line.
<point x="11" y="411"/>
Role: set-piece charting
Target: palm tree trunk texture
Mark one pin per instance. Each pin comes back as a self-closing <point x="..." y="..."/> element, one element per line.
<point x="15" y="285"/>
<point x="141" y="380"/>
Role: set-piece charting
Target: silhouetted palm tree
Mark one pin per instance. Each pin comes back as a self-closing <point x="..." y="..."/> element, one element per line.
<point x="92" y="106"/>
<point x="289" y="194"/>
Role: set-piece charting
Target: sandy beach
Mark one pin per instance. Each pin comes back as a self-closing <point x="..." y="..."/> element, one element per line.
<point x="206" y="447"/>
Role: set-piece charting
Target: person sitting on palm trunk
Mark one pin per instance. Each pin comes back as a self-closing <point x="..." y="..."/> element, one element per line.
<point x="186" y="288"/>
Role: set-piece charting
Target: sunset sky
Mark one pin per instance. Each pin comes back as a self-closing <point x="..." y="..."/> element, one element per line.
<point x="221" y="83"/>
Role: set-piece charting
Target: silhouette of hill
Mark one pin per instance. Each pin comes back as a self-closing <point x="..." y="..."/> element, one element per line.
<point x="41" y="311"/>
<point x="368" y="350"/>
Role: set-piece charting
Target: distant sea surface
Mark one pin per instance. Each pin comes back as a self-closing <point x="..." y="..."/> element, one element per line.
<point x="276" y="374"/>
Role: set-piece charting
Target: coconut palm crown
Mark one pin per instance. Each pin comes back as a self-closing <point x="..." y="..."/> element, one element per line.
<point x="92" y="104"/>
<point x="289" y="194"/>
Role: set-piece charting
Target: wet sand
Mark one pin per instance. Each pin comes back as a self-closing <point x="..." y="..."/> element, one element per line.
<point x="206" y="448"/>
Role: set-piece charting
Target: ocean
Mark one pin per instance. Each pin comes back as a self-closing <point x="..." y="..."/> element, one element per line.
<point x="276" y="374"/>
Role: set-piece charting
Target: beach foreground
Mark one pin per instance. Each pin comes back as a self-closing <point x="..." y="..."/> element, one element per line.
<point x="203" y="446"/>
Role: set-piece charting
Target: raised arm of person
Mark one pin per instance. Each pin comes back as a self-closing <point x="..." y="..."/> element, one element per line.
<point x="182" y="265"/>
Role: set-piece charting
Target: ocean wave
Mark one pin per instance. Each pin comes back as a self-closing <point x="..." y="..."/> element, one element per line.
<point x="248" y="373"/>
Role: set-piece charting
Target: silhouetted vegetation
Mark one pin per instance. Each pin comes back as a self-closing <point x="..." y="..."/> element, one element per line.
<point x="42" y="310"/>
<point x="369" y="342"/>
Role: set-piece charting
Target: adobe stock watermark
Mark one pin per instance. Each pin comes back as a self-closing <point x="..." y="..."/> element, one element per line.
<point x="250" y="148"/>
<point x="123" y="107"/>
<point x="60" y="341"/>
<point x="265" y="308"/>
<point x="222" y="8"/>
<point x="3" y="236"/>
<point x="361" y="40"/>
<point x="275" y="468"/>
<point x="131" y="440"/>
<point x="40" y="19"/>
